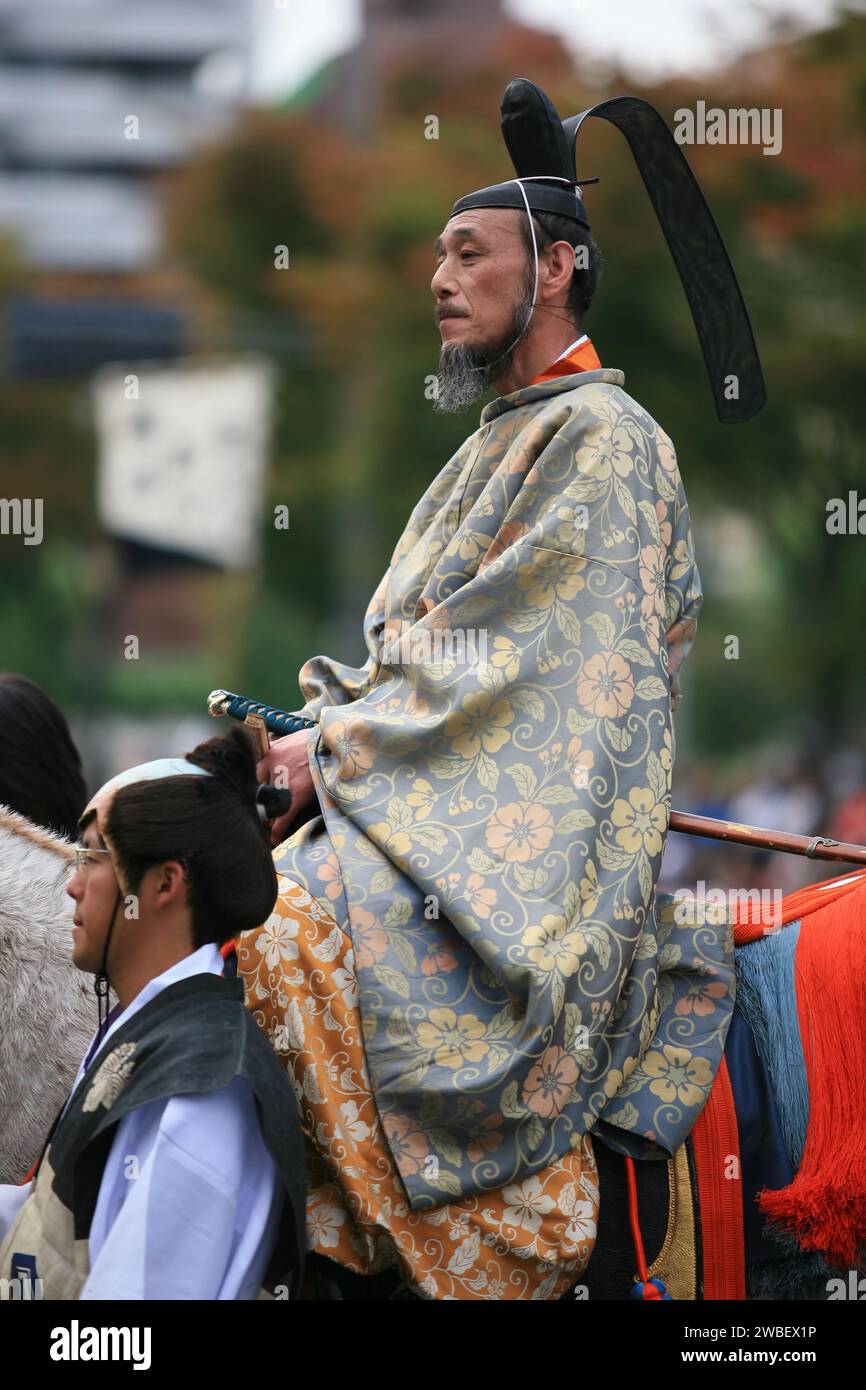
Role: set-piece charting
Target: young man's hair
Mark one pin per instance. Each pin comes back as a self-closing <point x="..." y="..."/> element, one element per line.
<point x="40" y="767"/>
<point x="584" y="282"/>
<point x="211" y="824"/>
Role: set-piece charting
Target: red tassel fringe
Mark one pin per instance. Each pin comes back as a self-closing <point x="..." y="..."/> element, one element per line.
<point x="824" y="1208"/>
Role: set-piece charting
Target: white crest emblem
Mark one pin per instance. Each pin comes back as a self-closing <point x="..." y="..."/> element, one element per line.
<point x="111" y="1078"/>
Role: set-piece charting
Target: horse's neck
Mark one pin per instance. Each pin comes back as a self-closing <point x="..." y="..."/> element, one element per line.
<point x="19" y="836"/>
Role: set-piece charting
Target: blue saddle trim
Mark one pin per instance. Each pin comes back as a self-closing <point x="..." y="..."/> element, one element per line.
<point x="767" y="997"/>
<point x="764" y="1158"/>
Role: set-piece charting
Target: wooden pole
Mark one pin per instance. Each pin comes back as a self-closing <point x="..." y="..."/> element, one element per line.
<point x="813" y="847"/>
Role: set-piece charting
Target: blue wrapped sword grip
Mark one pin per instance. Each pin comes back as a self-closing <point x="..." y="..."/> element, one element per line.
<point x="276" y="721"/>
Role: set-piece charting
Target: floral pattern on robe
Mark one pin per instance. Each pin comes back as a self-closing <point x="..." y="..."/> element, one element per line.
<point x="495" y="787"/>
<point x="528" y="1240"/>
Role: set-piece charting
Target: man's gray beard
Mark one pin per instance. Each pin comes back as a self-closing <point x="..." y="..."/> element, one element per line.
<point x="465" y="373"/>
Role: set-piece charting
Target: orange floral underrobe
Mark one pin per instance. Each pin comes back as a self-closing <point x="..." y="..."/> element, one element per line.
<point x="527" y="1240"/>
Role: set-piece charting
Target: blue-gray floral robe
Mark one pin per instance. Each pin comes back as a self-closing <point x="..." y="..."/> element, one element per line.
<point x="495" y="788"/>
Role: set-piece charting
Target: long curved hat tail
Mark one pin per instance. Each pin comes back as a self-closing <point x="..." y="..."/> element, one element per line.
<point x="701" y="258"/>
<point x="542" y="150"/>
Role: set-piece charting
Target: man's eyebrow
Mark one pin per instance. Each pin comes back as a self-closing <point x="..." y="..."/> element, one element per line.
<point x="459" y="234"/>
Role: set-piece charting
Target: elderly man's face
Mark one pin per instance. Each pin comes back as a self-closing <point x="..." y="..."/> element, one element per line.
<point x="483" y="287"/>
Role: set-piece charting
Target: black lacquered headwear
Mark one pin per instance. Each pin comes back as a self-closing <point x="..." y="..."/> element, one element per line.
<point x="542" y="150"/>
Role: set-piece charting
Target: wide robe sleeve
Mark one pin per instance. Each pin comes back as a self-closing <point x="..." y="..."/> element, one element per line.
<point x="499" y="798"/>
<point x="326" y="681"/>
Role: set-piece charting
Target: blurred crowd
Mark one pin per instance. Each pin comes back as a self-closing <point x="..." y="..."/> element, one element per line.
<point x="783" y="788"/>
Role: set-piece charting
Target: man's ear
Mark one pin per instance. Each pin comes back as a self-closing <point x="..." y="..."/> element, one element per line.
<point x="171" y="882"/>
<point x="559" y="256"/>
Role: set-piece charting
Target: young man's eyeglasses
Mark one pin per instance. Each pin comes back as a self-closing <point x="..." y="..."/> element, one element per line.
<point x="85" y="856"/>
<point x="84" y="860"/>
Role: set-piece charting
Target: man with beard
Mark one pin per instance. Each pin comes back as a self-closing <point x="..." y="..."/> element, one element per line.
<point x="477" y="897"/>
<point x="483" y="249"/>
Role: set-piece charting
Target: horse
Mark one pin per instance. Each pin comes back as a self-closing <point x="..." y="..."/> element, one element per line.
<point x="47" y="1008"/>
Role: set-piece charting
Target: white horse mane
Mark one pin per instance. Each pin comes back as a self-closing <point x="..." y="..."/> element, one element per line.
<point x="47" y="1007"/>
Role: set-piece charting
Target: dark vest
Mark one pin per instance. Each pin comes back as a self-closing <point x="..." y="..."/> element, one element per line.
<point x="195" y="1037"/>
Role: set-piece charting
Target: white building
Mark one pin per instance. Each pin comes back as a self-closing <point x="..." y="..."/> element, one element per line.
<point x="96" y="96"/>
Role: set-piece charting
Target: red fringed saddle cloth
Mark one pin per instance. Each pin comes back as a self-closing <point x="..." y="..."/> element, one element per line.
<point x="824" y="1208"/>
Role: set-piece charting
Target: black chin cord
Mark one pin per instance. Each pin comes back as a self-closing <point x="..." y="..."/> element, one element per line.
<point x="100" y="983"/>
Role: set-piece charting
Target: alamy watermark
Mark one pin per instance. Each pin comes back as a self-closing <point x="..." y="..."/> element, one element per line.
<point x="846" y="516"/>
<point x="416" y="643"/>
<point x="853" y="1289"/>
<point x="737" y="126"/>
<point x="22" y="516"/>
<point x="763" y="905"/>
<point x="77" y="1343"/>
<point x="21" y="1289"/>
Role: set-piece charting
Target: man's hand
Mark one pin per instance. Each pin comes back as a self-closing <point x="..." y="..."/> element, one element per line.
<point x="286" y="766"/>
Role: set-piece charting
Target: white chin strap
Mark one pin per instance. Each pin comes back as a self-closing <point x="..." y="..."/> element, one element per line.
<point x="520" y="183"/>
<point x="534" y="251"/>
<point x="523" y="332"/>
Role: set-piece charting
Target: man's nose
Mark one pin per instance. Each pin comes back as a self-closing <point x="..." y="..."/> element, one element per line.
<point x="441" y="284"/>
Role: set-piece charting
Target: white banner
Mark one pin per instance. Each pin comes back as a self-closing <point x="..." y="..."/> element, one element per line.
<point x="183" y="452"/>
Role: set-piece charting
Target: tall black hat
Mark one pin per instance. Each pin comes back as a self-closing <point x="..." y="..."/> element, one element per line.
<point x="542" y="150"/>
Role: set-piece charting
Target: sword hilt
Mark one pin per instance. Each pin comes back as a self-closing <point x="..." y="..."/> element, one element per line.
<point x="260" y="720"/>
<point x="276" y="721"/>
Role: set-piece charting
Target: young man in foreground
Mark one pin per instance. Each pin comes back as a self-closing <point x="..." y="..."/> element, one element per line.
<point x="175" y="1169"/>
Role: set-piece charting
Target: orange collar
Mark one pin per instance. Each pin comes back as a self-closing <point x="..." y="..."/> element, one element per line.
<point x="581" y="359"/>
